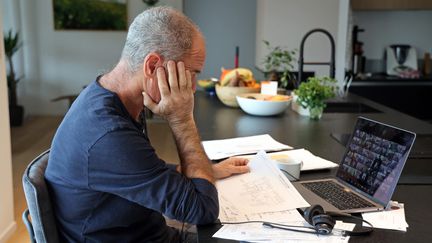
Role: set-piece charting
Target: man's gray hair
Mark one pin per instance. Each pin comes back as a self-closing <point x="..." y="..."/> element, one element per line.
<point x="162" y="30"/>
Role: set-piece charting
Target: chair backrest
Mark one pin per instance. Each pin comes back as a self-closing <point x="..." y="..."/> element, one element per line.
<point x="38" y="200"/>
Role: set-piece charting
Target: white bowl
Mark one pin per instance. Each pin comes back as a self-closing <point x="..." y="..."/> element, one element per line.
<point x="263" y="105"/>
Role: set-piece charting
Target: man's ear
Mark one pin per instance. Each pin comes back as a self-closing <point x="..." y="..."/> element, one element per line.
<point x="151" y="62"/>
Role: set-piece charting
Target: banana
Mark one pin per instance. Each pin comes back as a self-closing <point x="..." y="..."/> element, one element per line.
<point x="236" y="74"/>
<point x="205" y="83"/>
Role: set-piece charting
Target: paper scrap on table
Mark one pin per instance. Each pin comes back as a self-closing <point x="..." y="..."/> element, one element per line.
<point x="310" y="161"/>
<point x="254" y="232"/>
<point x="262" y="194"/>
<point x="392" y="218"/>
<point x="224" y="148"/>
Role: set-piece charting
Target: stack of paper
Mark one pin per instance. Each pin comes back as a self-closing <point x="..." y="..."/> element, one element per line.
<point x="224" y="148"/>
<point x="264" y="194"/>
<point x="392" y="218"/>
<point x="256" y="232"/>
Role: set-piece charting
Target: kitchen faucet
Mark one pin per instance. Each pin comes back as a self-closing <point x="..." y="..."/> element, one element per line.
<point x="301" y="62"/>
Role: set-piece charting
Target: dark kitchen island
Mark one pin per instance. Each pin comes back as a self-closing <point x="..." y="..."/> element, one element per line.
<point x="403" y="94"/>
<point x="324" y="138"/>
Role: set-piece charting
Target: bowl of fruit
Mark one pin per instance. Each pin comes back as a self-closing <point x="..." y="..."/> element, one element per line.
<point x="234" y="82"/>
<point x="263" y="105"/>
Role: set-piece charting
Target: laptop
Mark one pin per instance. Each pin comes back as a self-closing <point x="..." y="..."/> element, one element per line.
<point x="368" y="173"/>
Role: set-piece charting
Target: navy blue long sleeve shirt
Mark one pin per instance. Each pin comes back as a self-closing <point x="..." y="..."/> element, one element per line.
<point x="108" y="185"/>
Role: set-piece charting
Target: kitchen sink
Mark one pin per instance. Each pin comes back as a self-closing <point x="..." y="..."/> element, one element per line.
<point x="349" y="107"/>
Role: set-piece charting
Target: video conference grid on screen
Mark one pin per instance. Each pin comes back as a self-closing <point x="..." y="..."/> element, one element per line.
<point x="373" y="160"/>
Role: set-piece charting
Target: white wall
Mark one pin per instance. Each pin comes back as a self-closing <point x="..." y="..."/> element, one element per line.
<point x="383" y="28"/>
<point x="7" y="222"/>
<point x="61" y="62"/>
<point x="285" y="22"/>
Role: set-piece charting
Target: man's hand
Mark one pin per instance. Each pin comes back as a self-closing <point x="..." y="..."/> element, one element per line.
<point x="176" y="106"/>
<point x="230" y="167"/>
<point x="177" y="101"/>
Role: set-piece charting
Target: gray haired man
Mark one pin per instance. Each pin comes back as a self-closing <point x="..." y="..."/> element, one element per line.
<point x="106" y="181"/>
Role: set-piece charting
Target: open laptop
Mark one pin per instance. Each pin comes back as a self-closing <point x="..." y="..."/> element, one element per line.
<point x="368" y="173"/>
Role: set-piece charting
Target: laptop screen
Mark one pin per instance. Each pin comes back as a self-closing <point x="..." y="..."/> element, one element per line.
<point x="375" y="156"/>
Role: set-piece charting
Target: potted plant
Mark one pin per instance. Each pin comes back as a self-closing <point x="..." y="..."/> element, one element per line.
<point x="278" y="65"/>
<point x="309" y="98"/>
<point x="12" y="45"/>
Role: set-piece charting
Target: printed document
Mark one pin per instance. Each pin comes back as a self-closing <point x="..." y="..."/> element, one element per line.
<point x="224" y="148"/>
<point x="256" y="232"/>
<point x="392" y="218"/>
<point x="259" y="194"/>
<point x="265" y="194"/>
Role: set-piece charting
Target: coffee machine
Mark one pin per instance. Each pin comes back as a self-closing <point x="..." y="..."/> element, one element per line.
<point x="401" y="59"/>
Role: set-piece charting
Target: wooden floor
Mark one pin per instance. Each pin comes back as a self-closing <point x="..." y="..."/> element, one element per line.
<point x="35" y="136"/>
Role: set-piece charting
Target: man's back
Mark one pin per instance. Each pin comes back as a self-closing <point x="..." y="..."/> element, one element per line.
<point x="108" y="184"/>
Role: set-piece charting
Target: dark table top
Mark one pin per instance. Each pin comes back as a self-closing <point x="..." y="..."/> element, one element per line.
<point x="217" y="121"/>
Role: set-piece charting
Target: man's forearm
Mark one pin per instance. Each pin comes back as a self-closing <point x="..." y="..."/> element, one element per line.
<point x="194" y="162"/>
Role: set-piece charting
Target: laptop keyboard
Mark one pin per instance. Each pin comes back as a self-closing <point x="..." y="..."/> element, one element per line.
<point x="336" y="195"/>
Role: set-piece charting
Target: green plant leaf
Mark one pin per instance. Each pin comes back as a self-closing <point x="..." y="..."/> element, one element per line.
<point x="11" y="43"/>
<point x="280" y="60"/>
<point x="315" y="91"/>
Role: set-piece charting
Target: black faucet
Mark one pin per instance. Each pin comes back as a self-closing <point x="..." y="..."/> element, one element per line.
<point x="301" y="61"/>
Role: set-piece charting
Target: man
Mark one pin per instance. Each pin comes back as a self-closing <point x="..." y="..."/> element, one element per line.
<point x="107" y="183"/>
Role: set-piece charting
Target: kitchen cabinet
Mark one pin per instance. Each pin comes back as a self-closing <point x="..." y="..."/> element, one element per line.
<point x="391" y="4"/>
<point x="408" y="96"/>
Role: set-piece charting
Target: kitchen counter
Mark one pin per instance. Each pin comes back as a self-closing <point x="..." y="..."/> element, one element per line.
<point x="407" y="95"/>
<point x="216" y="121"/>
<point x="383" y="80"/>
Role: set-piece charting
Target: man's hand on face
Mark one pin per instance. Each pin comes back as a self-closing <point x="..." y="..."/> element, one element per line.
<point x="177" y="100"/>
<point x="230" y="167"/>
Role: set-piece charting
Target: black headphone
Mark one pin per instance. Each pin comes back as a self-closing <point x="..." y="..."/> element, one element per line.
<point x="322" y="223"/>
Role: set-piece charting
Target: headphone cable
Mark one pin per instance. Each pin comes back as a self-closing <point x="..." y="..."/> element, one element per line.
<point x="289" y="227"/>
<point x="268" y="224"/>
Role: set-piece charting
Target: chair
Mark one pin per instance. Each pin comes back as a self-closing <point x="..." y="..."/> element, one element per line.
<point x="42" y="227"/>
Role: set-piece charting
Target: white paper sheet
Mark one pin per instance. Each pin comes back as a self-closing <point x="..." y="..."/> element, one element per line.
<point x="310" y="161"/>
<point x="256" y="232"/>
<point x="393" y="218"/>
<point x="258" y="194"/>
<point x="224" y="148"/>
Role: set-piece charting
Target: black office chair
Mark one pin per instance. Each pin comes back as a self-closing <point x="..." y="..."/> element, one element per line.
<point x="42" y="227"/>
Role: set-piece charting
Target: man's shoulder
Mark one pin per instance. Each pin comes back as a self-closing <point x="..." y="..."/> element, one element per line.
<point x="94" y="113"/>
<point x="101" y="109"/>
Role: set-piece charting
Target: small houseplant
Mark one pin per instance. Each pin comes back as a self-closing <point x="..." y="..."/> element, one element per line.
<point x="312" y="94"/>
<point x="12" y="44"/>
<point x="278" y="65"/>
